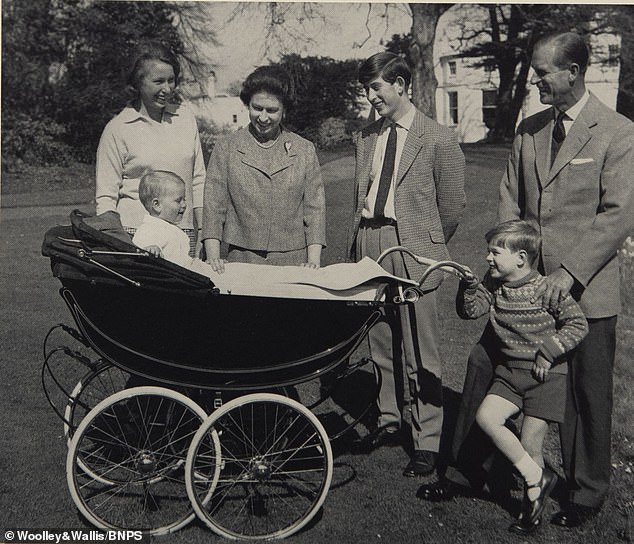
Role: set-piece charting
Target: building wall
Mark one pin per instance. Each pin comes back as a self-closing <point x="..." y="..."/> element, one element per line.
<point x="469" y="81"/>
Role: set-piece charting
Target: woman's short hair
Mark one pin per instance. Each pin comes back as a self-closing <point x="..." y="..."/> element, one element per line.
<point x="152" y="184"/>
<point x="386" y="65"/>
<point x="516" y="235"/>
<point x="269" y="79"/>
<point x="149" y="51"/>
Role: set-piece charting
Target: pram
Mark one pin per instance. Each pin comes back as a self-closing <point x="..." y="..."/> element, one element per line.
<point x="152" y="440"/>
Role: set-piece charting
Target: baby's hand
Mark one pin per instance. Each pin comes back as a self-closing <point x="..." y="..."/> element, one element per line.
<point x="541" y="366"/>
<point x="155" y="251"/>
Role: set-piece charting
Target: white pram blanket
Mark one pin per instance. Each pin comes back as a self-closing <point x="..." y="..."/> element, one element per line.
<point x="346" y="281"/>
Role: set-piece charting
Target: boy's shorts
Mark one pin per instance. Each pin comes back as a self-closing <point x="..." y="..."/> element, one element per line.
<point x="545" y="400"/>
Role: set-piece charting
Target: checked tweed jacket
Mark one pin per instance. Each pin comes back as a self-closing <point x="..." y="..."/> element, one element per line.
<point x="429" y="193"/>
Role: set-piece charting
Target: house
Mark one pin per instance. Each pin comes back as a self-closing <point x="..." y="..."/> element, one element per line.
<point x="467" y="88"/>
<point x="224" y="111"/>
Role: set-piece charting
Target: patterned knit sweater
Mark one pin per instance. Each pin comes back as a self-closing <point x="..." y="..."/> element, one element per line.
<point x="524" y="328"/>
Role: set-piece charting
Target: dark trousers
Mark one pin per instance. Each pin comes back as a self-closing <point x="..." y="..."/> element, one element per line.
<point x="475" y="462"/>
<point x="586" y="431"/>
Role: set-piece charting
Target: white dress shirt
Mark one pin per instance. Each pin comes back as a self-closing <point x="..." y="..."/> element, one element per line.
<point x="573" y="112"/>
<point x="402" y="129"/>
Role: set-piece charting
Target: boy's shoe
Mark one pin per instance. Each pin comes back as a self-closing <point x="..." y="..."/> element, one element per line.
<point x="546" y="485"/>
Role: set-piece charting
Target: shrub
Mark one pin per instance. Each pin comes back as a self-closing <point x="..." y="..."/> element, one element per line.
<point x="210" y="133"/>
<point x="332" y="133"/>
<point x="36" y="142"/>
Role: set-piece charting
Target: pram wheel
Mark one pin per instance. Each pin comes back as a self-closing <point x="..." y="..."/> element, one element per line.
<point x="126" y="461"/>
<point x="275" y="467"/>
<point x="94" y="387"/>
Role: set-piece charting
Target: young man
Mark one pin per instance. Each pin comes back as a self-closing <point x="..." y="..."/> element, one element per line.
<point x="409" y="185"/>
<point x="570" y="173"/>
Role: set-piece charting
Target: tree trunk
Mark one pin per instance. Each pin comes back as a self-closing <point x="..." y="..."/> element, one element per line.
<point x="625" y="96"/>
<point x="424" y="83"/>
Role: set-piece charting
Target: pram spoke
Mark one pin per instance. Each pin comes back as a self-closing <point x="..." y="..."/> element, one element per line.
<point x="275" y="467"/>
<point x="125" y="465"/>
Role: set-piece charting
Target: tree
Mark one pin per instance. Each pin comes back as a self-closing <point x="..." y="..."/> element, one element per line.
<point x="287" y="23"/>
<point x="505" y="40"/>
<point x="623" y="21"/>
<point x="425" y="19"/>
<point x="63" y="61"/>
<point x="324" y="88"/>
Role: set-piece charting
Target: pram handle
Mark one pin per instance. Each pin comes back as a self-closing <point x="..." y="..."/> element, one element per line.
<point x="449" y="267"/>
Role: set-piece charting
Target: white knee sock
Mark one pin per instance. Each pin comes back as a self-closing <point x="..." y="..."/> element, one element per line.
<point x="532" y="474"/>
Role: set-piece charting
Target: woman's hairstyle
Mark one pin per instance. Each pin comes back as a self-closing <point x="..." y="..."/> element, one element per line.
<point x="386" y="65"/>
<point x="153" y="182"/>
<point x="269" y="79"/>
<point x="516" y="235"/>
<point x="144" y="52"/>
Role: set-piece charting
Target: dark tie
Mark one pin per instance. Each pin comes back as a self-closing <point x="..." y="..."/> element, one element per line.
<point x="559" y="134"/>
<point x="386" y="174"/>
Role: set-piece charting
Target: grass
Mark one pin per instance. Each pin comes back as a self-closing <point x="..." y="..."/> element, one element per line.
<point x="369" y="501"/>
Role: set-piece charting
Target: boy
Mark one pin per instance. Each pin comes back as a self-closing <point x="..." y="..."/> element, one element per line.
<point x="531" y="342"/>
<point x="162" y="194"/>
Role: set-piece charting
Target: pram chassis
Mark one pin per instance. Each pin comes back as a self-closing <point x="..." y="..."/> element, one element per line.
<point x="151" y="454"/>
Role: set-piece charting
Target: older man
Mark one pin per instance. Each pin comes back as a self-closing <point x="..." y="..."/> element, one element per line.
<point x="571" y="174"/>
<point x="409" y="191"/>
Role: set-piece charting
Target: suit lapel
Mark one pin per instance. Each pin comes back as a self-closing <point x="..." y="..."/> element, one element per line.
<point x="257" y="158"/>
<point x="413" y="144"/>
<point x="579" y="136"/>
<point x="367" y="156"/>
<point x="541" y="140"/>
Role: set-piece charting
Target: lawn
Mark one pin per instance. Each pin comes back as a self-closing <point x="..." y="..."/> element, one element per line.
<point x="369" y="500"/>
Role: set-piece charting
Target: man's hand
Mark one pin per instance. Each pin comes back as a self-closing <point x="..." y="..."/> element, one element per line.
<point x="556" y="286"/>
<point x="541" y="366"/>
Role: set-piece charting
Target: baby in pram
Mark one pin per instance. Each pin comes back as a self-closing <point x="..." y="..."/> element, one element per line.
<point x="162" y="194"/>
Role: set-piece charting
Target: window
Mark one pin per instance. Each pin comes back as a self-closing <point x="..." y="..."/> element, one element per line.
<point x="452" y="67"/>
<point x="489" y="98"/>
<point x="453" y="107"/>
<point x="613" y="55"/>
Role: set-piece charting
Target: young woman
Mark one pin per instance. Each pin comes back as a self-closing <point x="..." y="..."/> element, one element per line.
<point x="153" y="132"/>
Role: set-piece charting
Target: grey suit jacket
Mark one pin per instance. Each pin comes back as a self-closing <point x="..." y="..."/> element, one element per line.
<point x="429" y="194"/>
<point x="264" y="199"/>
<point x="583" y="205"/>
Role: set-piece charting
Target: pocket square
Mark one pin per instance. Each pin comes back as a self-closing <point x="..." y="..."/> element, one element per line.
<point x="581" y="161"/>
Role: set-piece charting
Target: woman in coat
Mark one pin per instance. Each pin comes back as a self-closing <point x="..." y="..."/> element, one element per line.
<point x="264" y="196"/>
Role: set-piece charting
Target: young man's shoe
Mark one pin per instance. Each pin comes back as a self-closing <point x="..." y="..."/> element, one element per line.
<point x="422" y="463"/>
<point x="382" y="436"/>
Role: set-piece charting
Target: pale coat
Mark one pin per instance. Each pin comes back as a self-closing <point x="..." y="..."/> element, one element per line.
<point x="264" y="199"/>
<point x="583" y="205"/>
<point x="429" y="192"/>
